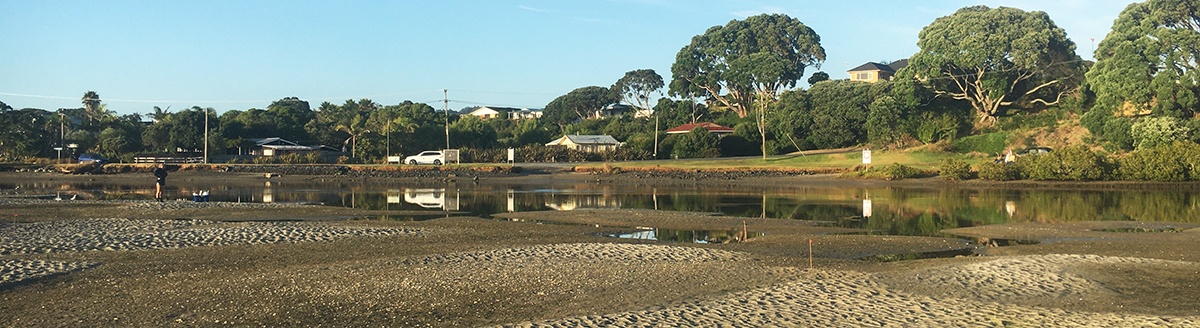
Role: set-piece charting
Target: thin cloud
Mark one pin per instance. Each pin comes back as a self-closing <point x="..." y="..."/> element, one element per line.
<point x="533" y="9"/>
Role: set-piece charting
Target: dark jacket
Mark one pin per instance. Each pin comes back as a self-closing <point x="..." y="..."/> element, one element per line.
<point x="161" y="174"/>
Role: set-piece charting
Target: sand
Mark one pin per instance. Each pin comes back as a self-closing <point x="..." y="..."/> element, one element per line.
<point x="139" y="263"/>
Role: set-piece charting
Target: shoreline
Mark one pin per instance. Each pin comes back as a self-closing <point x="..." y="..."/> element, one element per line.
<point x="734" y="177"/>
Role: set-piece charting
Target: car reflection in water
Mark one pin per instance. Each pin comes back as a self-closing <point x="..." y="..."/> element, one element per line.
<point x="431" y="198"/>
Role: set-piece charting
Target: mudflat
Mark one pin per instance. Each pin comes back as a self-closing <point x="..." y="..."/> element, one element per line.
<point x="143" y="263"/>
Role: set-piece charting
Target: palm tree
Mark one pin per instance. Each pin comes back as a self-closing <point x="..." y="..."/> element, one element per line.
<point x="160" y="114"/>
<point x="356" y="128"/>
<point x="91" y="105"/>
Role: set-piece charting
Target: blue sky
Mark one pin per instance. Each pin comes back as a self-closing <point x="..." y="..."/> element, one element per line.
<point x="245" y="54"/>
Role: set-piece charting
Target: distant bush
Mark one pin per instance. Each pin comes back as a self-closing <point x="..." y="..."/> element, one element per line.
<point x="991" y="143"/>
<point x="1179" y="161"/>
<point x="1070" y="163"/>
<point x="954" y="169"/>
<point x="1000" y="171"/>
<point x="897" y="171"/>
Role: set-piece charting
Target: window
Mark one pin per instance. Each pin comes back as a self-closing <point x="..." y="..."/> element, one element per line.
<point x="862" y="76"/>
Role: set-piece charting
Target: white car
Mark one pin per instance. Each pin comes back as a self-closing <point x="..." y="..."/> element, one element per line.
<point x="434" y="157"/>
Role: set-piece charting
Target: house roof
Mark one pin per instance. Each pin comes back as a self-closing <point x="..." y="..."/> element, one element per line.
<point x="580" y="139"/>
<point x="710" y="126"/>
<point x="873" y="66"/>
<point x="494" y="109"/>
<point x="289" y="147"/>
<point x="273" y="141"/>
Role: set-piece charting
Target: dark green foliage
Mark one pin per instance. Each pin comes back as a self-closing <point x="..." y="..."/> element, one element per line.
<point x="729" y="63"/>
<point x="1118" y="130"/>
<point x="694" y="143"/>
<point x="1070" y="163"/>
<point x="996" y="59"/>
<point x="734" y="145"/>
<point x="1147" y="60"/>
<point x="578" y="104"/>
<point x="1000" y="171"/>
<point x="954" y="169"/>
<point x="839" y="112"/>
<point x="897" y="171"/>
<point x="636" y="87"/>
<point x="1179" y="161"/>
<point x="24" y="133"/>
<point x="818" y="77"/>
<point x="289" y="116"/>
<point x="884" y="121"/>
<point x="991" y="143"/>
<point x="471" y="132"/>
<point x="931" y="128"/>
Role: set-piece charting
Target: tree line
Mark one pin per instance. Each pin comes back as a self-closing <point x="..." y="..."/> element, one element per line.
<point x="978" y="71"/>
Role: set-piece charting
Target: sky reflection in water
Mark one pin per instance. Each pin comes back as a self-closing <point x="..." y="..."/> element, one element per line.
<point x="894" y="211"/>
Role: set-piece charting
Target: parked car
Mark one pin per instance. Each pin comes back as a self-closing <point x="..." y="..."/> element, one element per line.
<point x="434" y="157"/>
<point x="1035" y="151"/>
<point x="89" y="157"/>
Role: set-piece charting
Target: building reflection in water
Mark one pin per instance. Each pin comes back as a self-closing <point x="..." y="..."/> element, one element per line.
<point x="432" y="198"/>
<point x="571" y="202"/>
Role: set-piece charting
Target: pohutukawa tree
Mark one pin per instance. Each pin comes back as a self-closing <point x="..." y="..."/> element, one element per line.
<point x="996" y="59"/>
<point x="745" y="60"/>
<point x="1151" y="60"/>
<point x="637" y="86"/>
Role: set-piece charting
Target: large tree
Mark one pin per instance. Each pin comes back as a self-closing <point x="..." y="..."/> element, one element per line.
<point x="996" y="59"/>
<point x="746" y="60"/>
<point x="578" y="104"/>
<point x="636" y="87"/>
<point x="1150" y="60"/>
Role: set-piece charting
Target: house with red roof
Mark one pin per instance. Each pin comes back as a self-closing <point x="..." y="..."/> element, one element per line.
<point x="713" y="128"/>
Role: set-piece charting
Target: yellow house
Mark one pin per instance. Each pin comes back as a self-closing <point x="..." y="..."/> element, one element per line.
<point x="874" y="72"/>
<point x="587" y="143"/>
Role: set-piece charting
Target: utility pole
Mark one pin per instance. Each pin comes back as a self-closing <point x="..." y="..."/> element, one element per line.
<point x="655" y="136"/>
<point x="446" y="106"/>
<point x="206" y="136"/>
<point x="62" y="134"/>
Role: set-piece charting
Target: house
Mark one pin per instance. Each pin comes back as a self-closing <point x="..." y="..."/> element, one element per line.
<point x="612" y="110"/>
<point x="874" y="72"/>
<point x="493" y="112"/>
<point x="505" y="112"/>
<point x="275" y="146"/>
<point x="587" y="143"/>
<point x="713" y="128"/>
<point x="526" y="113"/>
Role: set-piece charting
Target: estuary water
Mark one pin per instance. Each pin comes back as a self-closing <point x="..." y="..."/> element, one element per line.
<point x="889" y="210"/>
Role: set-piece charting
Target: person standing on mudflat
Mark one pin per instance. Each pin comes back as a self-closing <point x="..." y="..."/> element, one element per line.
<point x="160" y="175"/>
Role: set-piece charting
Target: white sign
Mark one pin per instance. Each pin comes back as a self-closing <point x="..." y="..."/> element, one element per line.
<point x="866" y="156"/>
<point x="512" y="155"/>
<point x="866" y="208"/>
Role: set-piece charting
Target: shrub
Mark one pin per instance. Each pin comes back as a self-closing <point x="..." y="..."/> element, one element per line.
<point x="1154" y="131"/>
<point x="897" y="171"/>
<point x="954" y="169"/>
<point x="1179" y="161"/>
<point x="1070" y="163"/>
<point x="1000" y="171"/>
